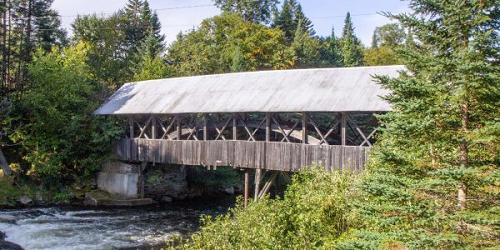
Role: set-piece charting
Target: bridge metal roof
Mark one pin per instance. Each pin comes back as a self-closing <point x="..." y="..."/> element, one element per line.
<point x="300" y="90"/>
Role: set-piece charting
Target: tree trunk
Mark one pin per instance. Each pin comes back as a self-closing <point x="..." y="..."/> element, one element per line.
<point x="5" y="166"/>
<point x="464" y="155"/>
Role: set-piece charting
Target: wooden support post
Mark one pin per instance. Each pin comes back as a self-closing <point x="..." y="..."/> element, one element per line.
<point x="153" y="127"/>
<point x="246" y="187"/>
<point x="205" y="127"/>
<point x="343" y="125"/>
<point x="268" y="126"/>
<point x="235" y="129"/>
<point x="268" y="184"/>
<point x="131" y="127"/>
<point x="178" y="126"/>
<point x="258" y="172"/>
<point x="304" y="128"/>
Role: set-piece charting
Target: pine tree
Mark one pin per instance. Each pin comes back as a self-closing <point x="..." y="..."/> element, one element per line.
<point x="134" y="25"/>
<point x="334" y="52"/>
<point x="352" y="50"/>
<point x="307" y="48"/>
<point x="288" y="19"/>
<point x="434" y="181"/>
<point x="26" y="25"/>
<point x="306" y="23"/>
<point x="285" y="20"/>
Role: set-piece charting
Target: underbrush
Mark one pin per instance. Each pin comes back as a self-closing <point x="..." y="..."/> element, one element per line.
<point x="315" y="210"/>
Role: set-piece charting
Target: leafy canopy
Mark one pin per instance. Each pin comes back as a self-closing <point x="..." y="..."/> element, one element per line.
<point x="61" y="140"/>
<point x="227" y="40"/>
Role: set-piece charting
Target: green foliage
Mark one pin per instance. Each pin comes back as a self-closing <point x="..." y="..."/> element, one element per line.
<point x="220" y="178"/>
<point x="288" y="18"/>
<point x="435" y="143"/>
<point x="257" y="11"/>
<point x="439" y="144"/>
<point x="314" y="212"/>
<point x="151" y="65"/>
<point x="350" y="45"/>
<point x="151" y="68"/>
<point x="8" y="192"/>
<point x="386" y="42"/>
<point x="108" y="56"/>
<point x="119" y="43"/>
<point x="213" y="47"/>
<point x="383" y="55"/>
<point x="390" y="35"/>
<point x="60" y="138"/>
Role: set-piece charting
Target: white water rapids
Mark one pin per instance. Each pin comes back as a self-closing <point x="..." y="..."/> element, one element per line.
<point x="74" y="229"/>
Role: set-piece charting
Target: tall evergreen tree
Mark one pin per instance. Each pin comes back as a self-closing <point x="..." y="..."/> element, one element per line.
<point x="334" y="57"/>
<point x="352" y="50"/>
<point x="287" y="19"/>
<point x="434" y="181"/>
<point x="26" y="25"/>
<point x="307" y="49"/>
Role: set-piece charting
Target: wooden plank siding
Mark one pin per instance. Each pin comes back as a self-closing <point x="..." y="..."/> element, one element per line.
<point x="279" y="156"/>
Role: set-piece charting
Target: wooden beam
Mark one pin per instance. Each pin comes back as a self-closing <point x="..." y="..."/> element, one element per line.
<point x="131" y="127"/>
<point x="256" y="129"/>
<point x="221" y="131"/>
<point x="235" y="131"/>
<point x="178" y="126"/>
<point x="165" y="130"/>
<point x="304" y="127"/>
<point x="323" y="139"/>
<point x="343" y="124"/>
<point x="281" y="130"/>
<point x="268" y="126"/>
<point x="205" y="127"/>
<point x="246" y="187"/>
<point x="143" y="129"/>
<point x="258" y="172"/>
<point x="247" y="130"/>
<point x="268" y="184"/>
<point x="366" y="139"/>
<point x="153" y="127"/>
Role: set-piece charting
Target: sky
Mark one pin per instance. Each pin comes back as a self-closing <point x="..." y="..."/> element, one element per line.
<point x="182" y="15"/>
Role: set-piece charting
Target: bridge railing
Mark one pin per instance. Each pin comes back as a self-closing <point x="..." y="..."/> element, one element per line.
<point x="242" y="154"/>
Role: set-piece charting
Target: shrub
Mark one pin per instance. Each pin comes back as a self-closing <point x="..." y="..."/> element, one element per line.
<point x="314" y="212"/>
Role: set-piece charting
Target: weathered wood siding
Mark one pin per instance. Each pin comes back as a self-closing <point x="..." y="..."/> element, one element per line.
<point x="243" y="154"/>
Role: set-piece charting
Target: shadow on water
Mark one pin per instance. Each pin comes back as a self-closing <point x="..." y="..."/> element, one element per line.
<point x="77" y="228"/>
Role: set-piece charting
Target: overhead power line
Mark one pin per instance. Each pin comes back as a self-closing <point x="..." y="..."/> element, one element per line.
<point x="111" y="13"/>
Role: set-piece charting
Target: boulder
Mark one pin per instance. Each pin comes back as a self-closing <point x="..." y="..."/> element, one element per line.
<point x="229" y="190"/>
<point x="25" y="200"/>
<point x="9" y="219"/>
<point x="166" y="199"/>
<point x="6" y="245"/>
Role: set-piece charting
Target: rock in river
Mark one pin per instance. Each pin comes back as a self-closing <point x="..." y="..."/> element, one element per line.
<point x="9" y="219"/>
<point x="25" y="200"/>
<point x="5" y="245"/>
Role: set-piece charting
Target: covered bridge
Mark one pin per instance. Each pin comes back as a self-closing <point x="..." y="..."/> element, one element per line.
<point x="274" y="120"/>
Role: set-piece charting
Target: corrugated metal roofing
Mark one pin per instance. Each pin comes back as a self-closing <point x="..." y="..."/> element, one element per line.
<point x="300" y="90"/>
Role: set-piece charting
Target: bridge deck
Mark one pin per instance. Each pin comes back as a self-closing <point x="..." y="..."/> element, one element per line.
<point x="242" y="154"/>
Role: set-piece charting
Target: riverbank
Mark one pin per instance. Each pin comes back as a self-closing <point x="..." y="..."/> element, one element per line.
<point x="73" y="227"/>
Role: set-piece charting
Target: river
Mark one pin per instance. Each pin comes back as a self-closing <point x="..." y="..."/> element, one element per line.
<point x="72" y="228"/>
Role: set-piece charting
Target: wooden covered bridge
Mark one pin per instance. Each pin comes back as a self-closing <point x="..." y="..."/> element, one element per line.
<point x="269" y="120"/>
